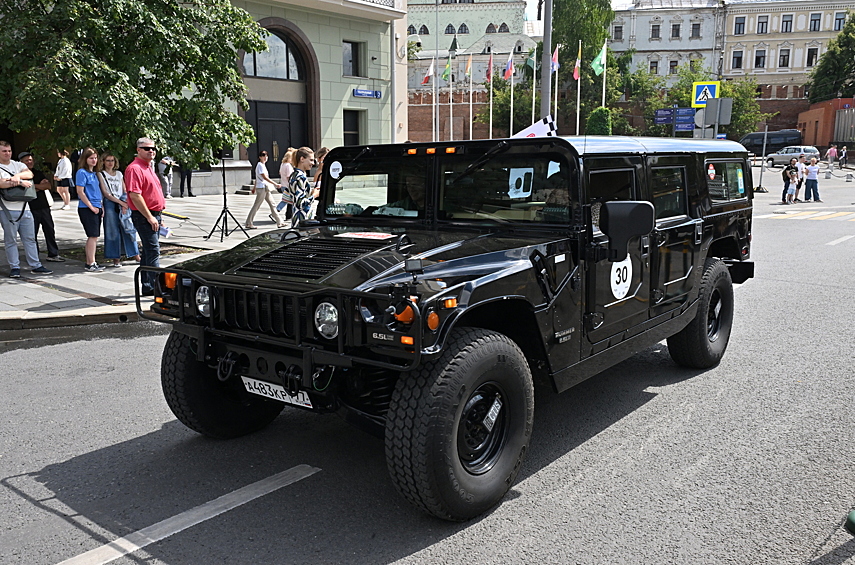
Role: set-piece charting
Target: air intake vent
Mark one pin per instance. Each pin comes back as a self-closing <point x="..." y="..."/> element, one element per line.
<point x="311" y="258"/>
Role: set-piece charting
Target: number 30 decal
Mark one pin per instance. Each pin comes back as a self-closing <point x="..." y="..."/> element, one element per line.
<point x="621" y="277"/>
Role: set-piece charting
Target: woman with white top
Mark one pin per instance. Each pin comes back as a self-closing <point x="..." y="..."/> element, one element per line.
<point x="62" y="176"/>
<point x="115" y="204"/>
<point x="812" y="181"/>
<point x="286" y="168"/>
<point x="262" y="194"/>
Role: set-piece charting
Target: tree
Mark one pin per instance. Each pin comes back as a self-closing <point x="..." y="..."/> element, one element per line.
<point x="834" y="74"/>
<point x="599" y="122"/>
<point x="102" y="73"/>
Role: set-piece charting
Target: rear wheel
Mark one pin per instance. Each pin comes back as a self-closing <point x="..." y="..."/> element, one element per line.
<point x="205" y="404"/>
<point x="702" y="343"/>
<point x="458" y="427"/>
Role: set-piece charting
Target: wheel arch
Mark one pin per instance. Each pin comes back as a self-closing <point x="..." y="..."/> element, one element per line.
<point x="724" y="248"/>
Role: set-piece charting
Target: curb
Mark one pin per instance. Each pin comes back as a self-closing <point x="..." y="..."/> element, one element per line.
<point x="22" y="320"/>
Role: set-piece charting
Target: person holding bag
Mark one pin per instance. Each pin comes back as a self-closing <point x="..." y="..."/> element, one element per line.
<point x="116" y="236"/>
<point x="15" y="191"/>
<point x="263" y="187"/>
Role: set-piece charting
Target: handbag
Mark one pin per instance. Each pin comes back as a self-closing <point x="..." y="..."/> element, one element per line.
<point x="270" y="187"/>
<point x="17" y="193"/>
<point x="127" y="223"/>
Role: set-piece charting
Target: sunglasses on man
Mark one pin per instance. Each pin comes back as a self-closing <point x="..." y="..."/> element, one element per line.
<point x="148" y="148"/>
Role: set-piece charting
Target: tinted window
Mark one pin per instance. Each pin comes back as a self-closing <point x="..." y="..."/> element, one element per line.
<point x="605" y="186"/>
<point x="669" y="191"/>
<point x="729" y="181"/>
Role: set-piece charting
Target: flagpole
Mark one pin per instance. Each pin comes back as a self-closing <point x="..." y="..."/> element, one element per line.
<point x="451" y="106"/>
<point x="436" y="73"/>
<point x="491" y="102"/>
<point x="512" y="96"/>
<point x="533" y="81"/>
<point x="555" y="111"/>
<point x="434" y="106"/>
<point x="605" y="65"/>
<point x="578" y="92"/>
<point x="470" y="96"/>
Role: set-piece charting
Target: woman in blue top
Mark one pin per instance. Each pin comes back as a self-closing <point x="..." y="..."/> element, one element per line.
<point x="90" y="208"/>
<point x="303" y="192"/>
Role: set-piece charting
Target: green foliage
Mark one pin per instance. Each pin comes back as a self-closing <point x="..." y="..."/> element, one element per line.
<point x="599" y="122"/>
<point x="102" y="73"/>
<point x="834" y="74"/>
<point x="413" y="48"/>
<point x="502" y="105"/>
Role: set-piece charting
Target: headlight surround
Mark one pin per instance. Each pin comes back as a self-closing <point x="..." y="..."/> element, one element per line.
<point x="326" y="320"/>
<point x="203" y="301"/>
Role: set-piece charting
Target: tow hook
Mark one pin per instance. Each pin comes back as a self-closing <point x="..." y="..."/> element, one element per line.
<point x="291" y="379"/>
<point x="227" y="366"/>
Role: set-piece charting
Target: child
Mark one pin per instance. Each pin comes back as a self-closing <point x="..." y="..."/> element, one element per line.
<point x="791" y="189"/>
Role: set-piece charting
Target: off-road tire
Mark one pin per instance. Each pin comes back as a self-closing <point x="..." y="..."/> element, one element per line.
<point x="702" y="343"/>
<point x="221" y="410"/>
<point x="440" y="455"/>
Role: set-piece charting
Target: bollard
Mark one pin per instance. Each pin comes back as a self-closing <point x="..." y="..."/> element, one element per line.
<point x="848" y="177"/>
<point x="827" y="174"/>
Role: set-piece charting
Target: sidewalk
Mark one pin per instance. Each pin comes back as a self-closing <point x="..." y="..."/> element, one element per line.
<point x="71" y="296"/>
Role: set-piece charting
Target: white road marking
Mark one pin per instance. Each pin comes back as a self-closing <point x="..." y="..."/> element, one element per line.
<point x="139" y="539"/>
<point x="840" y="240"/>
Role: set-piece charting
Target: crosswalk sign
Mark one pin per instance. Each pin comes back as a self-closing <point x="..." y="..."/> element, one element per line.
<point x="703" y="91"/>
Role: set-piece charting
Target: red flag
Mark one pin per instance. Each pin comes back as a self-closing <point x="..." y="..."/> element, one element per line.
<point x="428" y="74"/>
<point x="509" y="67"/>
<point x="490" y="69"/>
<point x="578" y="63"/>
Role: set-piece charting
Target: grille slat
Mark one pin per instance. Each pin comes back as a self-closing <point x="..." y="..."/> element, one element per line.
<point x="311" y="258"/>
<point x="258" y="312"/>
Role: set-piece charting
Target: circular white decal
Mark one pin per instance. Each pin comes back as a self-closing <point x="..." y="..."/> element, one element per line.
<point x="335" y="169"/>
<point x="621" y="277"/>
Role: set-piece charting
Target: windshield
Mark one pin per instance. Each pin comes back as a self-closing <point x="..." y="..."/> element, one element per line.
<point x="379" y="187"/>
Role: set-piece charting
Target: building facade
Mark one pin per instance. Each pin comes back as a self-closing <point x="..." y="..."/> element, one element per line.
<point x="436" y="23"/>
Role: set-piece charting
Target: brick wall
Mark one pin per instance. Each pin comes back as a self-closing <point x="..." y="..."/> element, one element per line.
<point x="786" y="112"/>
<point x="420" y="122"/>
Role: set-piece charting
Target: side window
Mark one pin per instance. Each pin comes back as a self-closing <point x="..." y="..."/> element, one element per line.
<point x="669" y="191"/>
<point x="605" y="186"/>
<point x="728" y="182"/>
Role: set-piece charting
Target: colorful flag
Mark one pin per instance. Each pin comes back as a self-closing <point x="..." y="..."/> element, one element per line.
<point x="599" y="62"/>
<point x="531" y="61"/>
<point x="509" y="67"/>
<point x="490" y="70"/>
<point x="446" y="74"/>
<point x="554" y="65"/>
<point x="428" y="74"/>
<point x="469" y="66"/>
<point x="577" y="70"/>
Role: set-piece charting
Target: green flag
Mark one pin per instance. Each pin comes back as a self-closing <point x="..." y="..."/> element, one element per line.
<point x="599" y="62"/>
<point x="532" y="61"/>
<point x="446" y="74"/>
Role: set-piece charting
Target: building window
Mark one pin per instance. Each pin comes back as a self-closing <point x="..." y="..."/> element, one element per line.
<point x="411" y="30"/>
<point x="672" y="67"/>
<point x="787" y="23"/>
<point x="654" y="31"/>
<point x="654" y="67"/>
<point x="739" y="26"/>
<point x="424" y="30"/>
<point x="694" y="64"/>
<point x="618" y="33"/>
<point x="675" y="31"/>
<point x="784" y="58"/>
<point x="813" y="54"/>
<point x="760" y="59"/>
<point x="449" y="29"/>
<point x="351" y="127"/>
<point x="350" y="51"/>
<point x="737" y="60"/>
<point x="465" y="1"/>
<point x="463" y="30"/>
<point x="281" y="60"/>
<point x="696" y="30"/>
<point x="491" y="29"/>
<point x="839" y="20"/>
<point x="504" y="28"/>
<point x="449" y="1"/>
<point x="762" y="24"/>
<point x="815" y="20"/>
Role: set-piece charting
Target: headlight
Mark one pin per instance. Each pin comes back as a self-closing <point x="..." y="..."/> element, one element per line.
<point x="203" y="301"/>
<point x="326" y="320"/>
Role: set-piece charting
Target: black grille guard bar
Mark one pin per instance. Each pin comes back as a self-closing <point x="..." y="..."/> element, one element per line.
<point x="311" y="353"/>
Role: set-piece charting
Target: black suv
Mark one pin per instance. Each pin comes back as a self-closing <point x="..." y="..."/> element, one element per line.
<point x="439" y="278"/>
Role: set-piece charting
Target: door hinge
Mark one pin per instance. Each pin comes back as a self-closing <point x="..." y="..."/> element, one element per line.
<point x="593" y="320"/>
<point x="658" y="295"/>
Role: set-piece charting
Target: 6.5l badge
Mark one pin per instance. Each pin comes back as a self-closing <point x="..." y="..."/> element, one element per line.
<point x="383" y="337"/>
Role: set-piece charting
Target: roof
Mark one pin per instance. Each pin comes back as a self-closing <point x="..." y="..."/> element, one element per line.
<point x="618" y="5"/>
<point x="592" y="144"/>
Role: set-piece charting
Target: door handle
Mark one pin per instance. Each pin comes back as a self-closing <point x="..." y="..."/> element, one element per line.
<point x="699" y="232"/>
<point x="645" y="245"/>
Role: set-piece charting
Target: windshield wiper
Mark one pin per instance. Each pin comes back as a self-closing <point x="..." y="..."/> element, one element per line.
<point x="500" y="147"/>
<point x="353" y="165"/>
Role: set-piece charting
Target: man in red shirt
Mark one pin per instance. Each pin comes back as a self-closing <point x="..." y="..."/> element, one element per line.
<point x="146" y="202"/>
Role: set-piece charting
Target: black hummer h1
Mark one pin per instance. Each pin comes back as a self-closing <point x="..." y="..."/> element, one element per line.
<point x="438" y="278"/>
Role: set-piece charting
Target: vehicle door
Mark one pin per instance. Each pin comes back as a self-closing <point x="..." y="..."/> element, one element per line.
<point x="617" y="293"/>
<point x="677" y="237"/>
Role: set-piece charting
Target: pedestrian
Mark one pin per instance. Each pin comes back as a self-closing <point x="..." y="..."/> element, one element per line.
<point x="791" y="190"/>
<point x="164" y="172"/>
<point x="15" y="218"/>
<point x="286" y="169"/>
<point x="304" y="159"/>
<point x="789" y="173"/>
<point x="116" y="237"/>
<point x="62" y="176"/>
<point x="831" y="155"/>
<point x="319" y="162"/>
<point x="185" y="173"/>
<point x="844" y="157"/>
<point x="812" y="181"/>
<point x="90" y="206"/>
<point x="40" y="208"/>
<point x="263" y="187"/>
<point x="802" y="168"/>
<point x="146" y="200"/>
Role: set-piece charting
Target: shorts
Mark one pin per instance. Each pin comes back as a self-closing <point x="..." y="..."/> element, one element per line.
<point x="792" y="189"/>
<point x="91" y="222"/>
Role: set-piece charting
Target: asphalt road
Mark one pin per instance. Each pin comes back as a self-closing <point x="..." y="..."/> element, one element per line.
<point x="747" y="463"/>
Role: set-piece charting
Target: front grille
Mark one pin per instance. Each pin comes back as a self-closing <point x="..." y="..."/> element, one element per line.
<point x="257" y="312"/>
<point x="311" y="258"/>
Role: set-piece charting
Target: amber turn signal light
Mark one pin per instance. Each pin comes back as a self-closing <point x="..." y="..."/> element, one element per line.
<point x="450" y="149"/>
<point x="159" y="300"/>
<point x="450" y="303"/>
<point x="431" y="150"/>
<point x="411" y="151"/>
<point x="406" y="316"/>
<point x="433" y="321"/>
<point x="407" y="340"/>
<point x="170" y="279"/>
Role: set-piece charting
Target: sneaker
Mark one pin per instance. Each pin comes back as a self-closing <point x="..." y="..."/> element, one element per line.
<point x="797" y="200"/>
<point x="93" y="268"/>
<point x="15" y="273"/>
<point x="114" y="265"/>
<point x="56" y="259"/>
<point x="66" y="207"/>
<point x="41" y="270"/>
<point x="169" y="197"/>
<point x="817" y="200"/>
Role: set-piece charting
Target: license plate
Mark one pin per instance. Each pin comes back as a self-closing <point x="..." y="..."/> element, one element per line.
<point x="490" y="419"/>
<point x="276" y="392"/>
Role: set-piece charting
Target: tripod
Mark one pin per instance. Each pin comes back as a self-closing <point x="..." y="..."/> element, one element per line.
<point x="225" y="214"/>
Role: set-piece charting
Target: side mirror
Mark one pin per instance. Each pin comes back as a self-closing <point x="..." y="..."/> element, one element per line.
<point x="622" y="221"/>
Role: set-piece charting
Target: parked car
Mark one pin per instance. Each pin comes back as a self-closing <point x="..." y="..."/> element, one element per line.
<point x="783" y="156"/>
<point x="774" y="141"/>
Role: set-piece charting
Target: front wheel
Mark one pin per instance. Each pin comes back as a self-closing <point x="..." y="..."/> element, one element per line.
<point x="702" y="343"/>
<point x="458" y="427"/>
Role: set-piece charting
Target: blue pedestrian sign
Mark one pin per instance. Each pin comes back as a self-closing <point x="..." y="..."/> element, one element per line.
<point x="362" y="93"/>
<point x="703" y="91"/>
